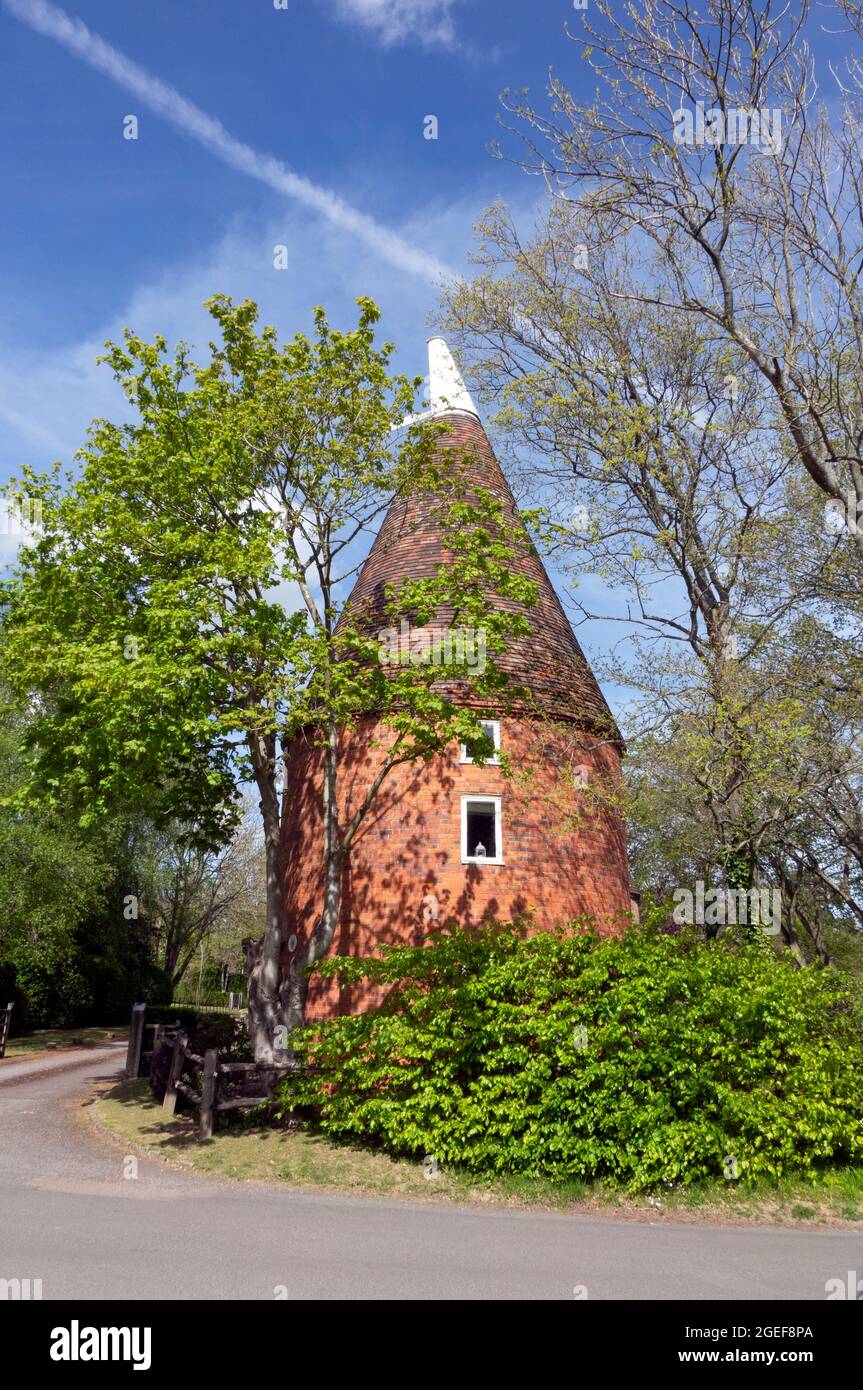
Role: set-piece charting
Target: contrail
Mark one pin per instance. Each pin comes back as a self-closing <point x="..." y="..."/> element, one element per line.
<point x="167" y="102"/>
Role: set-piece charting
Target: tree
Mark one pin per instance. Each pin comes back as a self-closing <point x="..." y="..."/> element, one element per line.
<point x="707" y="148"/>
<point x="153" y="605"/>
<point x="50" y="875"/>
<point x="66" y="943"/>
<point x="640" y="421"/>
<point x="190" y="893"/>
<point x="674" y="489"/>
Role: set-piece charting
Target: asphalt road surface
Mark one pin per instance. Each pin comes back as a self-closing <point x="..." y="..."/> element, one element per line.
<point x="70" y="1218"/>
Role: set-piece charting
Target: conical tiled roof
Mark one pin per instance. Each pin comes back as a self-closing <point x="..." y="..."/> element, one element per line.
<point x="548" y="661"/>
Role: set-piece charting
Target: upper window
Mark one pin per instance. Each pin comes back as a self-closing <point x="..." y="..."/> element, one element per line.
<point x="481" y="841"/>
<point x="491" y="729"/>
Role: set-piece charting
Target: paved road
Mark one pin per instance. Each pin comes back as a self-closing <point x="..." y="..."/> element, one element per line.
<point x="68" y="1217"/>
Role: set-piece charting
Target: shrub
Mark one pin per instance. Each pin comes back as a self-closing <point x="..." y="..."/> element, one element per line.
<point x="60" y="984"/>
<point x="225" y="1032"/>
<point x="641" y="1059"/>
<point x="51" y="989"/>
<point x="10" y="993"/>
<point x="114" y="960"/>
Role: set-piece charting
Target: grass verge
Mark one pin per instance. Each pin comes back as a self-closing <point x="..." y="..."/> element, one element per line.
<point x="302" y="1158"/>
<point x="55" y="1039"/>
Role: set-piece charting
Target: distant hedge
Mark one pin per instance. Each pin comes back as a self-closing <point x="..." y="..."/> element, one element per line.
<point x="226" y="1032"/>
<point x="60" y="983"/>
<point x="643" y="1059"/>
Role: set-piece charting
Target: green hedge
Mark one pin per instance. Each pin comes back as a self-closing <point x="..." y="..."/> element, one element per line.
<point x="51" y="990"/>
<point x="73" y="979"/>
<point x="643" y="1059"/>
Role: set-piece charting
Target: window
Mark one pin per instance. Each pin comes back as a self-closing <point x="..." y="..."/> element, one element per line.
<point x="481" y="841"/>
<point x="491" y="728"/>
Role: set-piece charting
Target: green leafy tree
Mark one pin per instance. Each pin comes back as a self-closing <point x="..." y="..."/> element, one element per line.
<point x="185" y="605"/>
<point x="51" y="878"/>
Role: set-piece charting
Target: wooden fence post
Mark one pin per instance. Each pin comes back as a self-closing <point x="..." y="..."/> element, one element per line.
<point x="208" y="1093"/>
<point x="177" y="1056"/>
<point x="136" y="1040"/>
<point x="5" y="1025"/>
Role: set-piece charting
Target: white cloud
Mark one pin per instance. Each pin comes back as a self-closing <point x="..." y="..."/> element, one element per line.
<point x="395" y="21"/>
<point x="48" y="396"/>
<point x="168" y="103"/>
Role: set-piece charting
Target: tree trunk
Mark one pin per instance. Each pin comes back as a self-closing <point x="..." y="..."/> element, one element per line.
<point x="813" y="930"/>
<point x="169" y="964"/>
<point x="791" y="939"/>
<point x="268" y="1030"/>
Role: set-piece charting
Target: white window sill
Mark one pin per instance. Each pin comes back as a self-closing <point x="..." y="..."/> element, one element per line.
<point x="467" y="860"/>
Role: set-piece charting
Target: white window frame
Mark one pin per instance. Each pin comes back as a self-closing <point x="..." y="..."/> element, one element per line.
<point x="495" y="801"/>
<point x="494" y="725"/>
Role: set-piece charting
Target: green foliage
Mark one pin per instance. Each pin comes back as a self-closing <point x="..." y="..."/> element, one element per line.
<point x="205" y="986"/>
<point x="225" y="1032"/>
<point x="51" y="990"/>
<point x="50" y="875"/>
<point x="7" y="981"/>
<point x="91" y="975"/>
<point x="114" y="958"/>
<point x="152" y="608"/>
<point x="643" y="1059"/>
<point x="67" y="954"/>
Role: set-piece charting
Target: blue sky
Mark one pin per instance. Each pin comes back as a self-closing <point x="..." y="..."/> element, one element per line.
<point x="106" y="231"/>
<point x="102" y="232"/>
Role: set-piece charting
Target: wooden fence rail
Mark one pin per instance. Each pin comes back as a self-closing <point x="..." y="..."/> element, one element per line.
<point x="211" y="1100"/>
<point x="5" y="1025"/>
<point x="211" y="1097"/>
<point x="142" y="1047"/>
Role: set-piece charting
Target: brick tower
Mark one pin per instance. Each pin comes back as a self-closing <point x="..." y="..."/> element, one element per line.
<point x="449" y="839"/>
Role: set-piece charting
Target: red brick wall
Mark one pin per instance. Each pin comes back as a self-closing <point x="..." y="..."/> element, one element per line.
<point x="564" y="848"/>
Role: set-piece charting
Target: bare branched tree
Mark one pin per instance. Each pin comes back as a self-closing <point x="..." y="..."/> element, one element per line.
<point x="708" y="147"/>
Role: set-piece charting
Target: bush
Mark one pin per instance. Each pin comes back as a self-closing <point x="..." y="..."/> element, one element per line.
<point x="225" y="1032"/>
<point x="205" y="986"/>
<point x="60" y="983"/>
<point x="51" y="989"/>
<point x="642" y="1059"/>
<point x="116" y="961"/>
<point x="10" y="993"/>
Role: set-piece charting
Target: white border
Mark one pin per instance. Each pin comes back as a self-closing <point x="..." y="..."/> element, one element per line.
<point x="498" y="831"/>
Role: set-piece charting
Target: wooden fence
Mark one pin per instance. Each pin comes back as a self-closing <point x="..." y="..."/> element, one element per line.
<point x="145" y="1040"/>
<point x="5" y="1025"/>
<point x="257" y="1084"/>
<point x="221" y="1085"/>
